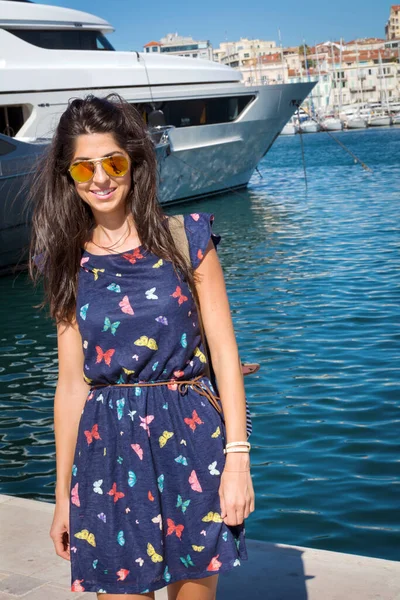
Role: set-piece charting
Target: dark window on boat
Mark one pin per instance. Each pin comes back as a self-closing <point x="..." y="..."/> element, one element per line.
<point x="201" y="111"/>
<point x="11" y="119"/>
<point x="53" y="39"/>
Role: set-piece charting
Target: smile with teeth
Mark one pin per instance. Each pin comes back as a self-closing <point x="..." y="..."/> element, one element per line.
<point x="103" y="193"/>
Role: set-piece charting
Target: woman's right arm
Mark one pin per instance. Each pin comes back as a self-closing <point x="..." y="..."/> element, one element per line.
<point x="70" y="396"/>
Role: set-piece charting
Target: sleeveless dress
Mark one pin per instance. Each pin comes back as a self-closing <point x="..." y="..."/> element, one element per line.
<point x="144" y="502"/>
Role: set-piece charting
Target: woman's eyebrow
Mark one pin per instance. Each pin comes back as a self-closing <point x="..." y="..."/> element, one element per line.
<point x="105" y="156"/>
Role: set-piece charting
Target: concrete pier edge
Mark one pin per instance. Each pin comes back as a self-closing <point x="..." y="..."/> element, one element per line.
<point x="30" y="569"/>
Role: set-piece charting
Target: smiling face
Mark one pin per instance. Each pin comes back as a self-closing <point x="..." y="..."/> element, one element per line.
<point x="104" y="193"/>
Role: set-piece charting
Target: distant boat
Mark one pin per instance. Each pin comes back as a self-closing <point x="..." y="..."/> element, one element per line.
<point x="356" y="122"/>
<point x="379" y="120"/>
<point x="396" y="119"/>
<point x="331" y="123"/>
<point x="309" y="126"/>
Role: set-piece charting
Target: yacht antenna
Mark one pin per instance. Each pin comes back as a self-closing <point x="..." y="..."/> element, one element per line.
<point x="148" y="80"/>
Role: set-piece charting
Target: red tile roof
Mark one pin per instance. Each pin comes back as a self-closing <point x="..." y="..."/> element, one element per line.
<point x="152" y="44"/>
<point x="350" y="56"/>
<point x="271" y="58"/>
<point x="362" y="41"/>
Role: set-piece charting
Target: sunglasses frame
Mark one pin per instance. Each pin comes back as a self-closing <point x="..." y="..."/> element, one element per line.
<point x="94" y="162"/>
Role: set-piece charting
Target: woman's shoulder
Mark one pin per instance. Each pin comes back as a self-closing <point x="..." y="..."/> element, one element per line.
<point x="199" y="230"/>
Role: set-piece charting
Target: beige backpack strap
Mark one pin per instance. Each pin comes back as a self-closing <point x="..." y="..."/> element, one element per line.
<point x="177" y="229"/>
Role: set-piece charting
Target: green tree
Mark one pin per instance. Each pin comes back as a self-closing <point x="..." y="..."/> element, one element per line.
<point x="301" y="49"/>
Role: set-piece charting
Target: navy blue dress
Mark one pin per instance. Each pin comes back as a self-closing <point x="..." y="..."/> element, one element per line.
<point x="144" y="502"/>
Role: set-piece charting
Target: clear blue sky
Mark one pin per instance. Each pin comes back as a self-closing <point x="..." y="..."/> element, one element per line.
<point x="137" y="23"/>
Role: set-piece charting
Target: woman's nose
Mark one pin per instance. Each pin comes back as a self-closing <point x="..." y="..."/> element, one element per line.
<point x="99" y="173"/>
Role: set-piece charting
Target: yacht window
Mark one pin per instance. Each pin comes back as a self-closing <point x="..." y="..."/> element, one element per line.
<point x="201" y="111"/>
<point x="68" y="39"/>
<point x="11" y="119"/>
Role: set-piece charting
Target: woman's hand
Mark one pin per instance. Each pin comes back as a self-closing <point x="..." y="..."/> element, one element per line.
<point x="236" y="491"/>
<point x="59" y="531"/>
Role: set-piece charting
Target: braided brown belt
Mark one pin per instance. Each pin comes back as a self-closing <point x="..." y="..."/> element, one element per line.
<point x="183" y="384"/>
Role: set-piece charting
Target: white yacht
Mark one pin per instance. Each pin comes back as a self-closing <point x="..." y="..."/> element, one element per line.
<point x="331" y="123"/>
<point x="217" y="128"/>
<point x="356" y="121"/>
<point x="381" y="119"/>
<point x="355" y="116"/>
<point x="396" y="119"/>
<point x="308" y="126"/>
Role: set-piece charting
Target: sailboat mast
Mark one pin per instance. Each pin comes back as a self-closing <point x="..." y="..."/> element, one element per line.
<point x="380" y="79"/>
<point x="319" y="74"/>
<point x="359" y="80"/>
<point x="333" y="78"/>
<point x="308" y="75"/>
<point x="341" y="82"/>
<point x="384" y="85"/>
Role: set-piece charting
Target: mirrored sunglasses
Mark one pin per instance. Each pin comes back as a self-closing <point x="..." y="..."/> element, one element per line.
<point x="83" y="170"/>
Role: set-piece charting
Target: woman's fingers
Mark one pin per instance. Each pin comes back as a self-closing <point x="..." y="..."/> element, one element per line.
<point x="61" y="543"/>
<point x="239" y="516"/>
<point x="59" y="529"/>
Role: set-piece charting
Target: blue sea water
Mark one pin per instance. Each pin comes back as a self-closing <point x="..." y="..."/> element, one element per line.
<point x="313" y="282"/>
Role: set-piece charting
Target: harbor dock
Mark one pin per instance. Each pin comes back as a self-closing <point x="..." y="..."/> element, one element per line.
<point x="30" y="568"/>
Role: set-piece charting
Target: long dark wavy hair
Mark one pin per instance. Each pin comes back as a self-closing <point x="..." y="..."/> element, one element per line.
<point x="62" y="221"/>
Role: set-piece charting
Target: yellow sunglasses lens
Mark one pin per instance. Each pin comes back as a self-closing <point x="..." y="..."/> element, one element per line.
<point x="116" y="166"/>
<point x="83" y="171"/>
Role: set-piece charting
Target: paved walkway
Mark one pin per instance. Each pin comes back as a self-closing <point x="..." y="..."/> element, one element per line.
<point x="30" y="569"/>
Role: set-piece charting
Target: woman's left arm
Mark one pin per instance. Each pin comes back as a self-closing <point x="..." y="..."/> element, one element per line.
<point x="236" y="489"/>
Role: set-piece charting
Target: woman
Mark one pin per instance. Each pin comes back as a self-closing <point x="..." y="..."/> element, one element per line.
<point x="145" y="495"/>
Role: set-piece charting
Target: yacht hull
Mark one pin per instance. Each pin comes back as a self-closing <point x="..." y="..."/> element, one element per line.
<point x="309" y="127"/>
<point x="383" y="121"/>
<point x="356" y="123"/>
<point x="331" y="125"/>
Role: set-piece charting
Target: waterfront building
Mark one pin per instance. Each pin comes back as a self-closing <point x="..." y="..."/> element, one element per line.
<point x="179" y="45"/>
<point x="236" y="54"/>
<point x="365" y="76"/>
<point x="361" y="70"/>
<point x="364" y="44"/>
<point x="292" y="58"/>
<point x="392" y="27"/>
<point x="268" y="69"/>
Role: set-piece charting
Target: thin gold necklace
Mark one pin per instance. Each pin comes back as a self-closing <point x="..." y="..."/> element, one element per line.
<point x="115" y="243"/>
